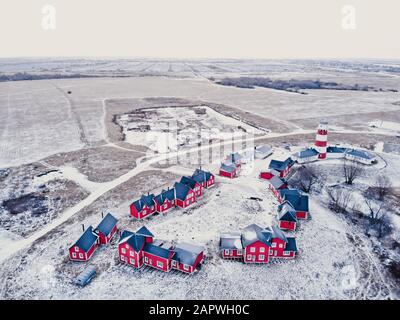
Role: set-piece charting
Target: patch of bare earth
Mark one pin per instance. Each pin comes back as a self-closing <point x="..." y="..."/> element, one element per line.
<point x="99" y="164"/>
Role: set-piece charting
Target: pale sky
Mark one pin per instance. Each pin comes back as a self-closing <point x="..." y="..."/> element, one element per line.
<point x="201" y="28"/>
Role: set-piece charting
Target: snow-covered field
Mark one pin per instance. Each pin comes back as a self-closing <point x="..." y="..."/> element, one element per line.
<point x="57" y="151"/>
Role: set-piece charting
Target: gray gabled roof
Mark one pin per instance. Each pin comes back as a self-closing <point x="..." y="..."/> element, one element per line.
<point x="136" y="241"/>
<point x="158" y="250"/>
<point x="277" y="182"/>
<point x="145" y="232"/>
<point x="228" y="168"/>
<point x="286" y="212"/>
<point x="181" y="190"/>
<point x="360" y="154"/>
<point x="281" y="165"/>
<point x="201" y="175"/>
<point x="190" y="182"/>
<point x="310" y="152"/>
<point x="231" y="241"/>
<point x="87" y="239"/>
<point x="186" y="253"/>
<point x="299" y="202"/>
<point x="291" y="244"/>
<point x="164" y="195"/>
<point x="274" y="232"/>
<point x="107" y="224"/>
<point x="254" y="233"/>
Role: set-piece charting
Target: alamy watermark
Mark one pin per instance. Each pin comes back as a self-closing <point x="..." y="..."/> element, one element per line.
<point x="49" y="15"/>
<point x="349" y="21"/>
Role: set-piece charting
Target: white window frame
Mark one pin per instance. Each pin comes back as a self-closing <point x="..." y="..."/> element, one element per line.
<point x="239" y="251"/>
<point x="123" y="258"/>
<point x="281" y="245"/>
<point x="76" y="249"/>
<point x="186" y="267"/>
<point x="73" y="254"/>
<point x="271" y="252"/>
<point x="252" y="249"/>
<point x="286" y="253"/>
<point x="249" y="257"/>
<point x="127" y="246"/>
<point x="262" y="249"/>
<point x="146" y="259"/>
<point x="160" y="264"/>
<point x="131" y="253"/>
<point x="132" y="261"/>
<point x="123" y="250"/>
<point x="174" y="263"/>
<point x="226" y="252"/>
<point x="80" y="255"/>
<point x="262" y="257"/>
<point x="273" y="245"/>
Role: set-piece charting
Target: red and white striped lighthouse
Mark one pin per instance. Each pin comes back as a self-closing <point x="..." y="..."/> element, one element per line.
<point x="321" y="140"/>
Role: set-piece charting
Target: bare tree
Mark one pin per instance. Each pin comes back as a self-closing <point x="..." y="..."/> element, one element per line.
<point x="351" y="171"/>
<point x="377" y="213"/>
<point x="339" y="199"/>
<point x="306" y="178"/>
<point x="383" y="187"/>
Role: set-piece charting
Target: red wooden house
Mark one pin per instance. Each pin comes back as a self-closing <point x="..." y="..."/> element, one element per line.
<point x="287" y="219"/>
<point x="143" y="207"/>
<point x="205" y="178"/>
<point x="236" y="159"/>
<point x="84" y="248"/>
<point x="165" y="200"/>
<point x="194" y="185"/>
<point x="275" y="185"/>
<point x="187" y="257"/>
<point x="283" y="167"/>
<point x="266" y="175"/>
<point x="284" y="192"/>
<point x="281" y="246"/>
<point x="158" y="255"/>
<point x="107" y="228"/>
<point x="184" y="195"/>
<point x="299" y="203"/>
<point x="256" y="245"/>
<point x="131" y="244"/>
<point x="228" y="170"/>
<point x="230" y="246"/>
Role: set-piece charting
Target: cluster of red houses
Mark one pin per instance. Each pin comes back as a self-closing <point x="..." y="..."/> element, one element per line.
<point x="257" y="245"/>
<point x="140" y="248"/>
<point x="91" y="239"/>
<point x="293" y="204"/>
<point x="182" y="194"/>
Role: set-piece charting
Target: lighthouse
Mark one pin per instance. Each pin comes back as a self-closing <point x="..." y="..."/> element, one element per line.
<point x="321" y="139"/>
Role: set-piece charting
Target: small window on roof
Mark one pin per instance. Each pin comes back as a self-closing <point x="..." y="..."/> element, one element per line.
<point x="76" y="248"/>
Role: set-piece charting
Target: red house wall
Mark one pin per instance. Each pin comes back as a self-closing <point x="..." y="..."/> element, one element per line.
<point x="301" y="214"/>
<point x="210" y="182"/>
<point x="287" y="225"/>
<point x="160" y="207"/>
<point x="227" y="174"/>
<point x="179" y="266"/>
<point x="190" y="199"/>
<point x="137" y="256"/>
<point x="258" y="245"/>
<point x="152" y="261"/>
<point x="86" y="255"/>
<point x="104" y="239"/>
<point x="233" y="253"/>
<point x="277" y="252"/>
<point x="266" y="175"/>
